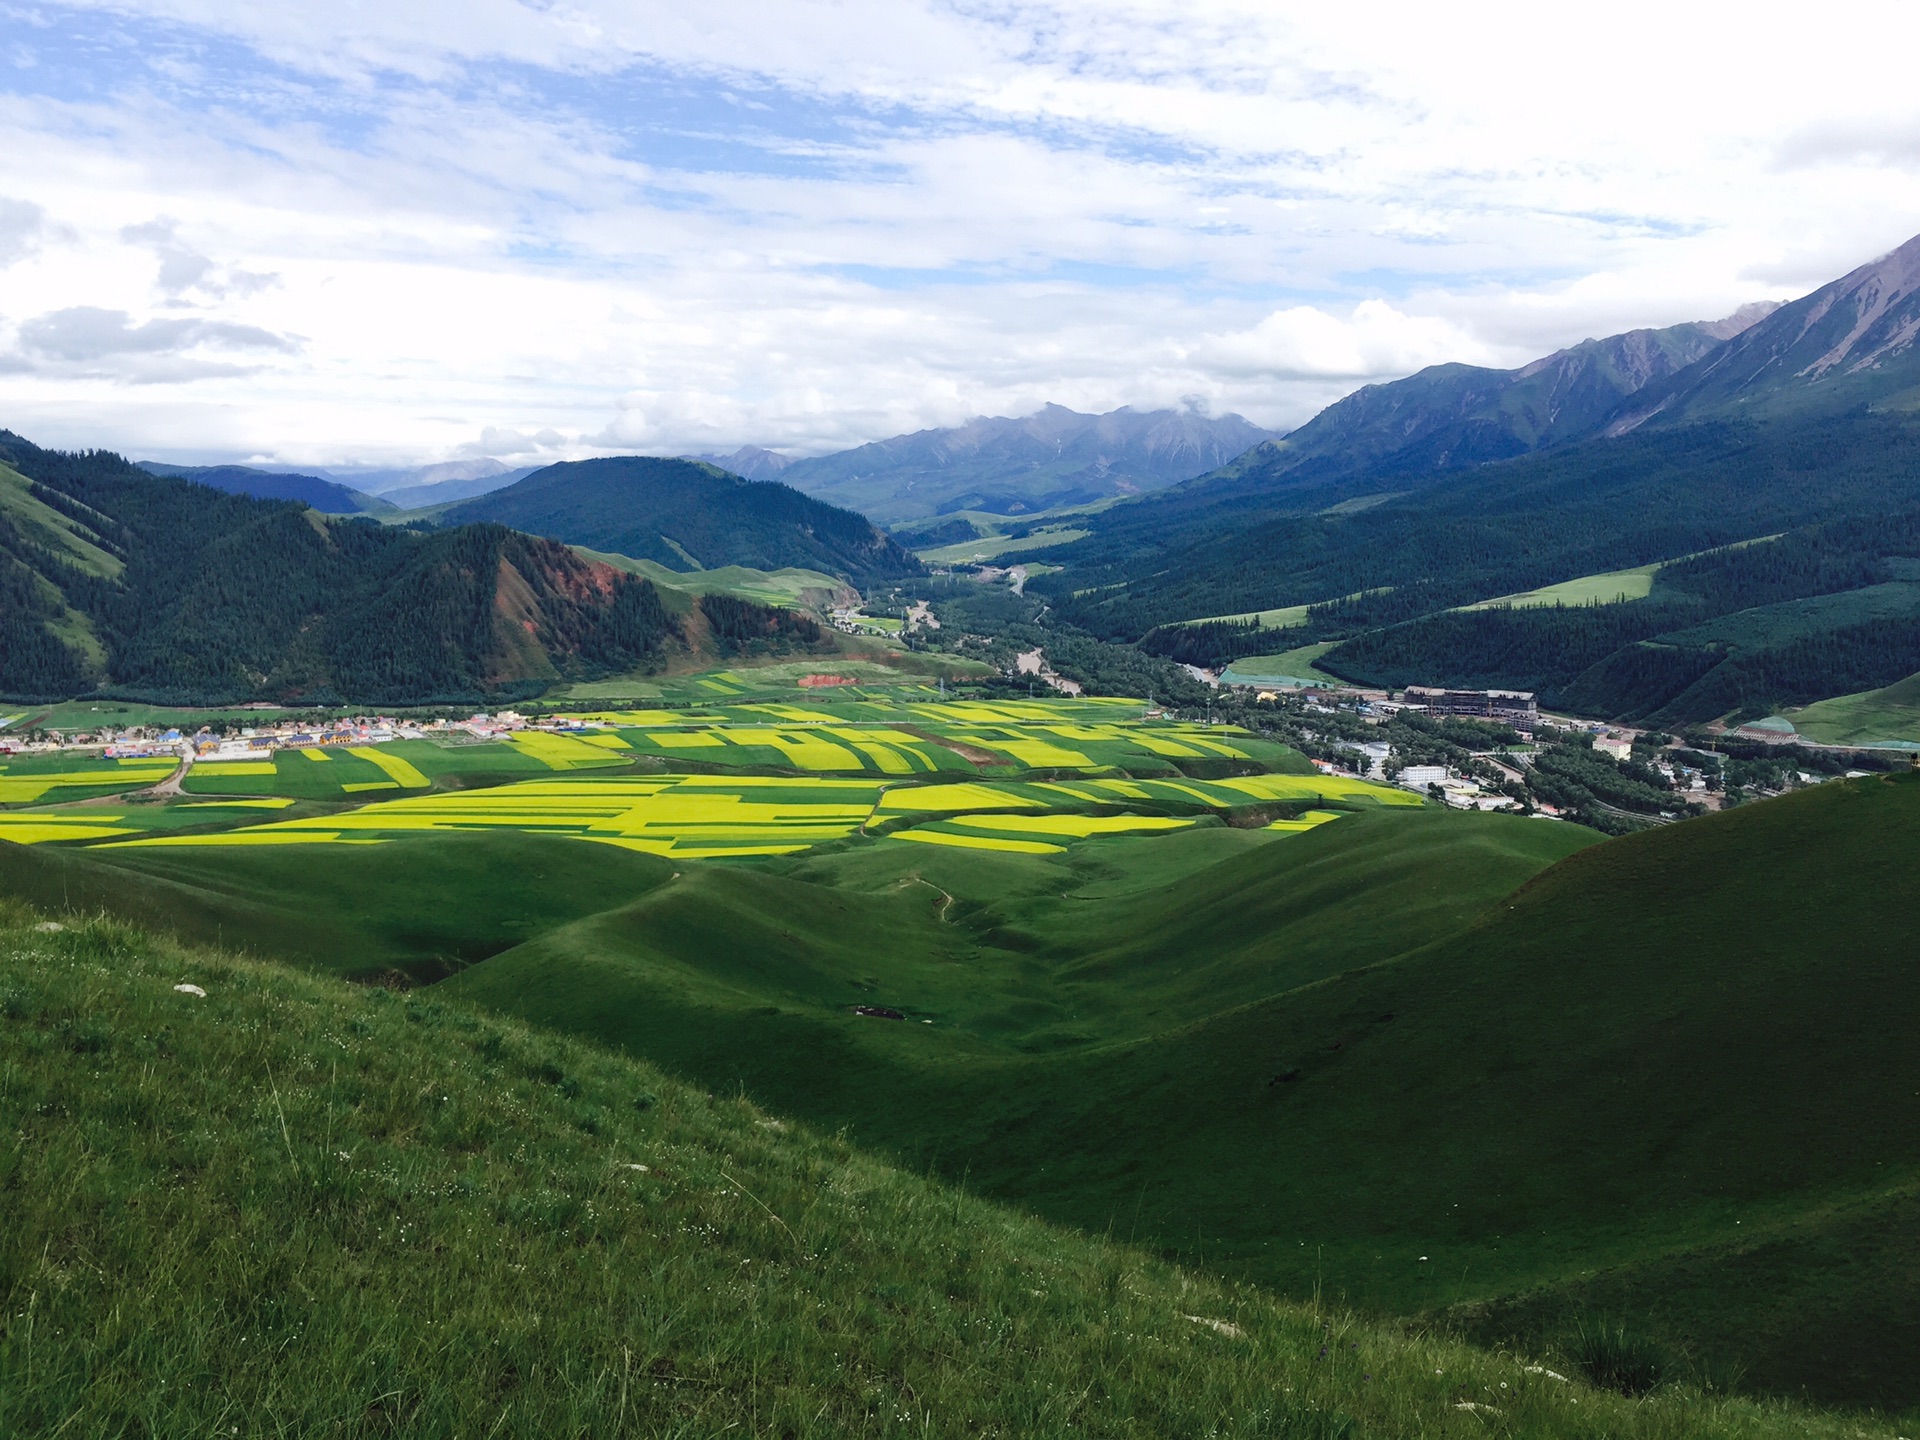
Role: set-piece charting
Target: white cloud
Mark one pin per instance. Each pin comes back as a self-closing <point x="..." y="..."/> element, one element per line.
<point x="23" y="228"/>
<point x="521" y="230"/>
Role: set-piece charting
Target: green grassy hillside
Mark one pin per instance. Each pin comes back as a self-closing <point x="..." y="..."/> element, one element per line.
<point x="287" y="1206"/>
<point x="1890" y="713"/>
<point x="1471" y="1067"/>
<point x="1661" y="1057"/>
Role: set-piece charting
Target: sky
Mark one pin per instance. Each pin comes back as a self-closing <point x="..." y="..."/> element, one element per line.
<point x="395" y="232"/>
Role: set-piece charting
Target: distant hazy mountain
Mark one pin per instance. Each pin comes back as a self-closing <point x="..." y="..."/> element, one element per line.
<point x="325" y="495"/>
<point x="422" y="485"/>
<point x="1849" y="343"/>
<point x="688" y="515"/>
<point x="1053" y="457"/>
<point x="749" y="460"/>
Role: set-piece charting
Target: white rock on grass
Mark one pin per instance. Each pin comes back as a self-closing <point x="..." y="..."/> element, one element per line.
<point x="49" y="927"/>
<point x="191" y="990"/>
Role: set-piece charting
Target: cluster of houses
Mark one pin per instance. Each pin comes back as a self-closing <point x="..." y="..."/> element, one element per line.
<point x="261" y="742"/>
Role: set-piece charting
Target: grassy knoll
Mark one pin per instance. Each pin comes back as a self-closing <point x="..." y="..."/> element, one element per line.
<point x="292" y="1207"/>
<point x="1657" y="1079"/>
<point x="1890" y="713"/>
<point x="1296" y="665"/>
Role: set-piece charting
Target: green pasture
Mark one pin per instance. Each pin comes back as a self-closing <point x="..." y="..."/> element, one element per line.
<point x="358" y="911"/>
<point x="288" y="1202"/>
<point x="1296" y="665"/>
<point x="1610" y="588"/>
<point x="900" y="673"/>
<point x="1872" y="716"/>
<point x="1532" y="1114"/>
<point x="1284" y="617"/>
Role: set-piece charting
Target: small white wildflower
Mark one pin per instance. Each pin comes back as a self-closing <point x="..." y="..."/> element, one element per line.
<point x="191" y="990"/>
<point x="1550" y="1374"/>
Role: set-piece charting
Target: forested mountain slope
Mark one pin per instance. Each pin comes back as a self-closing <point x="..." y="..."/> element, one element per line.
<point x="1496" y="529"/>
<point x="1421" y="483"/>
<point x="324" y="495"/>
<point x="155" y="586"/>
<point x="685" y="514"/>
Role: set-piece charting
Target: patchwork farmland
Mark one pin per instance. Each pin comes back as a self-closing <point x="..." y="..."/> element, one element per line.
<point x="730" y="782"/>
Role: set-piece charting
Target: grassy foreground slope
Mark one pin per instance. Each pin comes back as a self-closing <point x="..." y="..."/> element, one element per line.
<point x="291" y="1207"/>
<point x="1672" y="1078"/>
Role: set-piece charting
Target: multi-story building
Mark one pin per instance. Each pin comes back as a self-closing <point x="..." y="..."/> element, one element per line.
<point x="1517" y="708"/>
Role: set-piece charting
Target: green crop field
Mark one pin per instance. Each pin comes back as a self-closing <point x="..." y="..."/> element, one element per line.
<point x="874" y="670"/>
<point x="337" y="772"/>
<point x="26" y="779"/>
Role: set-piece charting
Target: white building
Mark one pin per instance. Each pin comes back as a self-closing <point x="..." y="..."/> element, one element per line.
<point x="1377" y="753"/>
<point x="1418" y="777"/>
<point x="1619" y="749"/>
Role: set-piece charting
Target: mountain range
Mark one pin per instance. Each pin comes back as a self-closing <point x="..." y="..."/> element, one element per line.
<point x="1453" y="416"/>
<point x="1011" y="466"/>
<point x="1373" y="525"/>
<point x="114" y="578"/>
